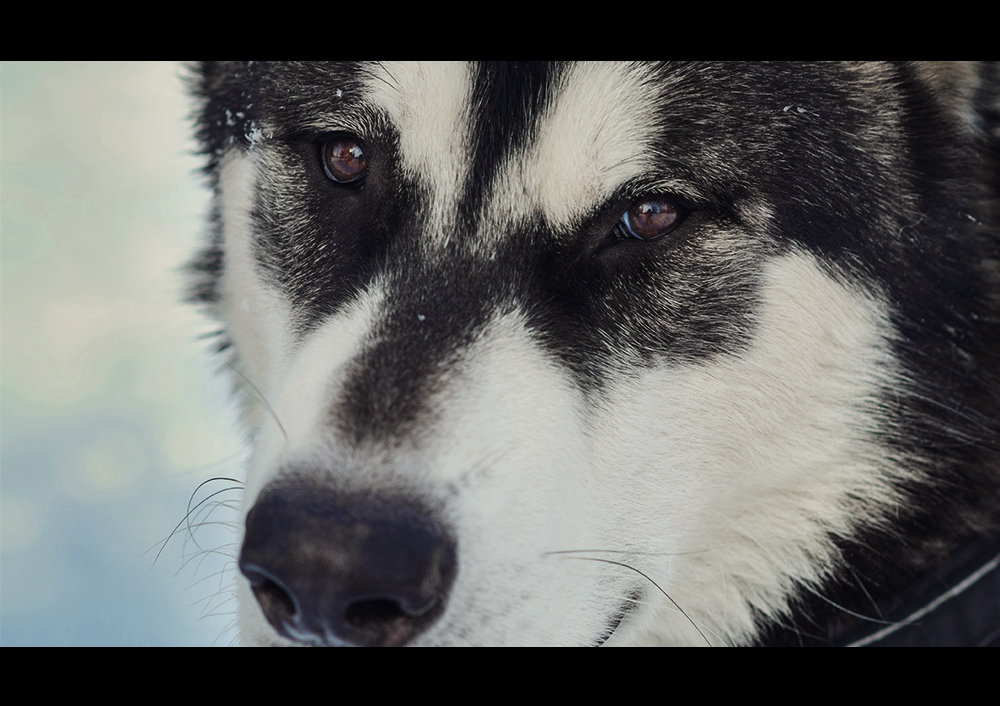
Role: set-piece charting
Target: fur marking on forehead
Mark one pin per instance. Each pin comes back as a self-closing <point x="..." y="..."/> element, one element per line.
<point x="590" y="140"/>
<point x="429" y="104"/>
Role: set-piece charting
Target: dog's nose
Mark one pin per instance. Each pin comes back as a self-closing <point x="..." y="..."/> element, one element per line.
<point x="330" y="569"/>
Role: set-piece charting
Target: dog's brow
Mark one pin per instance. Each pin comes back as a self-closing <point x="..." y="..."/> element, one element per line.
<point x="592" y="139"/>
<point x="430" y="107"/>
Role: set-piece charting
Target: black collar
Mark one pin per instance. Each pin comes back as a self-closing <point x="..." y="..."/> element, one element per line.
<point x="954" y="605"/>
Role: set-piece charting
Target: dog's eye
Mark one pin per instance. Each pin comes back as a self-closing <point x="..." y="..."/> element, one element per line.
<point x="650" y="219"/>
<point x="344" y="159"/>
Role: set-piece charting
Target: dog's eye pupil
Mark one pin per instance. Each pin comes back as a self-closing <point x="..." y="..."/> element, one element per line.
<point x="651" y="218"/>
<point x="344" y="159"/>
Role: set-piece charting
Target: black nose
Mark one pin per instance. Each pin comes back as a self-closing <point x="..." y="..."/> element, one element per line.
<point x="331" y="569"/>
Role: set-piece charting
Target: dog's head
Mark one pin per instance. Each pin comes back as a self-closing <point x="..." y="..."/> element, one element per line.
<point x="567" y="354"/>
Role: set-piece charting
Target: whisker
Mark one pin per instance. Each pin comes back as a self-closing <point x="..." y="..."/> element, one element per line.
<point x="860" y="584"/>
<point x="220" y="574"/>
<point x="203" y="501"/>
<point x="201" y="555"/>
<point x="645" y="576"/>
<point x="810" y="589"/>
<point x="215" y="604"/>
<point x="216" y="615"/>
<point x="850" y="612"/>
<point x="229" y="627"/>
<point x="186" y="520"/>
<point x="260" y="397"/>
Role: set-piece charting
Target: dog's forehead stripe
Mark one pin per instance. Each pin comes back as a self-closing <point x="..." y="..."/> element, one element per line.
<point x="594" y="138"/>
<point x="522" y="142"/>
<point x="430" y="106"/>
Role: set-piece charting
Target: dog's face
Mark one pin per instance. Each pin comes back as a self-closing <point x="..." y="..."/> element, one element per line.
<point x="562" y="354"/>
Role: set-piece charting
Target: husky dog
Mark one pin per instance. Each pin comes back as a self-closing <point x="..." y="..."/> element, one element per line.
<point x="610" y="353"/>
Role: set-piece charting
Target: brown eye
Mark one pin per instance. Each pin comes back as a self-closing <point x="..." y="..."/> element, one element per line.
<point x="344" y="159"/>
<point x="651" y="218"/>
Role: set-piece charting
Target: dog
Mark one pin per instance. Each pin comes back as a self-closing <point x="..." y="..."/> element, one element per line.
<point x="610" y="353"/>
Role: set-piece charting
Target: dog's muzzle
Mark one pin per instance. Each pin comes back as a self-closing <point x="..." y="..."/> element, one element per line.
<point x="329" y="568"/>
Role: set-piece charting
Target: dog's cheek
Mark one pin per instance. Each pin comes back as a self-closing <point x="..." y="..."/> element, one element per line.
<point x="719" y="455"/>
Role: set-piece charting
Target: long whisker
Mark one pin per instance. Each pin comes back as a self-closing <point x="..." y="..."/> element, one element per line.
<point x="850" y="612"/>
<point x="648" y="578"/>
<point x="186" y="520"/>
<point x="190" y="509"/>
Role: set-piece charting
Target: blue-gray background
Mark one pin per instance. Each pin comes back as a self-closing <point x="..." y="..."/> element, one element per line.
<point x="111" y="412"/>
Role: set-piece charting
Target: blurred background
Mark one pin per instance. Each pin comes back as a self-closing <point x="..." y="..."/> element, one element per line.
<point x="111" y="410"/>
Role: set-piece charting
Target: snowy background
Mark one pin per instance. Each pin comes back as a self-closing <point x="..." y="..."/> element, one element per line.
<point x="111" y="412"/>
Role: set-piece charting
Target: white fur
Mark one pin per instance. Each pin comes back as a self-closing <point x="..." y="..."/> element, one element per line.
<point x="583" y="155"/>
<point x="744" y="504"/>
<point x="430" y="103"/>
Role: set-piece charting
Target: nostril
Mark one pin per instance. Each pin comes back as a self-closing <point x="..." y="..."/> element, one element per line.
<point x="363" y="614"/>
<point x="275" y="600"/>
<point x="332" y="569"/>
<point x="371" y="614"/>
<point x="380" y="621"/>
